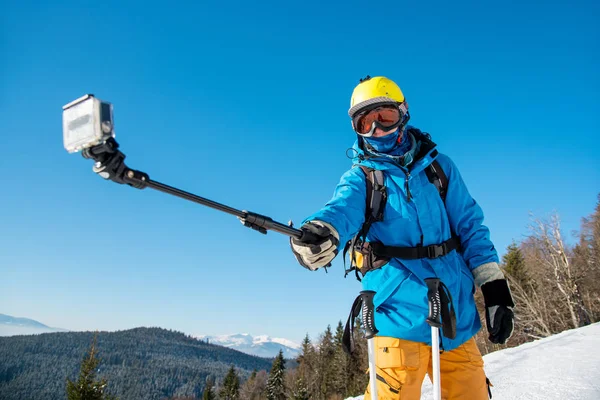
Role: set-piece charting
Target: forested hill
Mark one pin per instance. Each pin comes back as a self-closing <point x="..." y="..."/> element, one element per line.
<point x="141" y="363"/>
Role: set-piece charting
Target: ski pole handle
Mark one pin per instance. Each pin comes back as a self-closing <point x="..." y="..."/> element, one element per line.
<point x="435" y="304"/>
<point x="368" y="317"/>
<point x="368" y="313"/>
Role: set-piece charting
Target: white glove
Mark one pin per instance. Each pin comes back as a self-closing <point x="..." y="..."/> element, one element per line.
<point x="314" y="253"/>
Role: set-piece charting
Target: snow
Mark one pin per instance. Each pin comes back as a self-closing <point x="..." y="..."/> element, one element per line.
<point x="247" y="339"/>
<point x="237" y="339"/>
<point x="261" y="345"/>
<point x="563" y="366"/>
<point x="285" y="342"/>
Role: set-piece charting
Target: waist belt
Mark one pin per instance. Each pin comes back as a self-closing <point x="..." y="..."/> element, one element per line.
<point x="414" y="253"/>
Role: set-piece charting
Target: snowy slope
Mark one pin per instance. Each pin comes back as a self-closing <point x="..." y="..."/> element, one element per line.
<point x="563" y="366"/>
<point x="12" y="326"/>
<point x="262" y="346"/>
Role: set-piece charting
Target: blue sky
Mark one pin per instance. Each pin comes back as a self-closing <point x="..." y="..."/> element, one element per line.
<point x="245" y="104"/>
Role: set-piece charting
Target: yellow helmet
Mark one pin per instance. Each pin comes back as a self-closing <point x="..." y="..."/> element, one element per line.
<point x="376" y="90"/>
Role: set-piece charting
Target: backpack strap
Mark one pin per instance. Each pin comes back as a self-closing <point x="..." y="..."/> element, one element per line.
<point x="418" y="252"/>
<point x="438" y="178"/>
<point x="376" y="198"/>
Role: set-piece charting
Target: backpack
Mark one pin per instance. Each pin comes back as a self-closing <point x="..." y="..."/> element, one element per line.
<point x="367" y="256"/>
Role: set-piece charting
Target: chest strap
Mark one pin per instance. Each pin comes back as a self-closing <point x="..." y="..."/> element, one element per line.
<point x="414" y="253"/>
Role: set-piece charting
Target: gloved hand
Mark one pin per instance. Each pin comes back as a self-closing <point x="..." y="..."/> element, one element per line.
<point x="499" y="316"/>
<point x="318" y="253"/>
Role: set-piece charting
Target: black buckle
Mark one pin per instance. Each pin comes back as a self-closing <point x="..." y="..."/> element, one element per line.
<point x="436" y="250"/>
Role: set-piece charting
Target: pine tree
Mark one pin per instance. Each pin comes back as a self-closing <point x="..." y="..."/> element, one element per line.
<point x="326" y="361"/>
<point x="231" y="386"/>
<point x="276" y="381"/>
<point x="358" y="362"/>
<point x="514" y="264"/>
<point x="339" y="378"/>
<point x="87" y="387"/>
<point x="255" y="387"/>
<point x="307" y="367"/>
<point x="300" y="391"/>
<point x="209" y="390"/>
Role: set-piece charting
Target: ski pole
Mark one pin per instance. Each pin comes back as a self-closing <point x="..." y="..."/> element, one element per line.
<point x="368" y="316"/>
<point x="434" y="319"/>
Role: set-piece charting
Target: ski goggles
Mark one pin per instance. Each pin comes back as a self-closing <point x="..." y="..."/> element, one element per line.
<point x="385" y="117"/>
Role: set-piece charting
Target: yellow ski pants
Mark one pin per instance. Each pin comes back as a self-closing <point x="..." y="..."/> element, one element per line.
<point x="402" y="365"/>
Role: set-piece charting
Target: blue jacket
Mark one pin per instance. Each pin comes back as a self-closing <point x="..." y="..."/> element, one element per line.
<point x="401" y="294"/>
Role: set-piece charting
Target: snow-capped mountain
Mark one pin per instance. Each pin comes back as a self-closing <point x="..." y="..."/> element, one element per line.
<point x="262" y="346"/>
<point x="12" y="326"/>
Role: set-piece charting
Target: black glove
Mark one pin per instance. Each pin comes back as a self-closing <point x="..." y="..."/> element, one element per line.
<point x="316" y="253"/>
<point x="499" y="316"/>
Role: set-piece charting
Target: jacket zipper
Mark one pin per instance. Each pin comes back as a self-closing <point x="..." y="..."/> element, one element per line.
<point x="408" y="195"/>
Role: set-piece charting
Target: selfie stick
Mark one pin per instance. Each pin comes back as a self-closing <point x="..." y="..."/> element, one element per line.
<point x="110" y="165"/>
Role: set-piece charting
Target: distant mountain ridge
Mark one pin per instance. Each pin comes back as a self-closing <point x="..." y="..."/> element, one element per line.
<point x="12" y="326"/>
<point x="139" y="364"/>
<point x="261" y="346"/>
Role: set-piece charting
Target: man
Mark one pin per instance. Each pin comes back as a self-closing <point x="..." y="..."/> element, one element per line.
<point x="426" y="230"/>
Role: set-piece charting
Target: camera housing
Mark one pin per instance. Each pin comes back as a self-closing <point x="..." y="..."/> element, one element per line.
<point x="87" y="122"/>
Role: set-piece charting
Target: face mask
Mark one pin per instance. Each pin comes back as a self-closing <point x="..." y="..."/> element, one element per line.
<point x="385" y="143"/>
